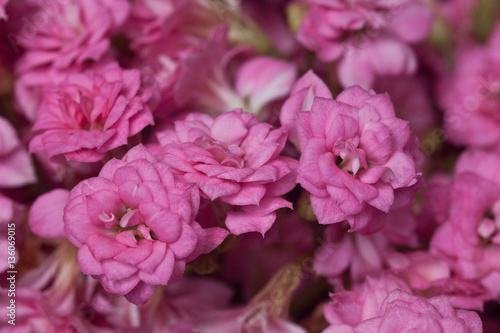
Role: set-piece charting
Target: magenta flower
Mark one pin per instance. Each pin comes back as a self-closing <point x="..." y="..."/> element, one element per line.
<point x="134" y="226"/>
<point x="92" y="112"/>
<point x="16" y="167"/>
<point x="356" y="159"/>
<point x="236" y="159"/>
<point x="402" y="312"/>
<point x="369" y="38"/>
<point x="66" y="33"/>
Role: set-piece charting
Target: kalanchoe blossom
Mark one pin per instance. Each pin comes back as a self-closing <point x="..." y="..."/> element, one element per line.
<point x="90" y="113"/>
<point x="16" y="167"/>
<point x="470" y="239"/>
<point x="164" y="34"/>
<point x="402" y="312"/>
<point x="66" y="33"/>
<point x="52" y="298"/>
<point x="369" y="38"/>
<point x="301" y="98"/>
<point x="31" y="87"/>
<point x="236" y="159"/>
<point x="359" y="254"/>
<point x="349" y="308"/>
<point x="134" y="226"/>
<point x="46" y="214"/>
<point x="431" y="275"/>
<point x="357" y="159"/>
<point x="206" y="81"/>
<point x="469" y="96"/>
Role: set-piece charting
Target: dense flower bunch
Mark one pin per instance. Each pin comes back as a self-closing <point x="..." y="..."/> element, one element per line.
<point x="249" y="166"/>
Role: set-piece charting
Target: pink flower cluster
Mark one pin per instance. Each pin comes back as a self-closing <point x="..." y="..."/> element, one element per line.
<point x="249" y="166"/>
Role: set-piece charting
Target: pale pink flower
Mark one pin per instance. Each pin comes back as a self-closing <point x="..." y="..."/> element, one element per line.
<point x="207" y="81"/>
<point x="30" y="88"/>
<point x="359" y="254"/>
<point x="349" y="308"/>
<point x="52" y="298"/>
<point x="369" y="38"/>
<point x="163" y="34"/>
<point x="470" y="239"/>
<point x="65" y="33"/>
<point x="16" y="167"/>
<point x="134" y="226"/>
<point x="469" y="96"/>
<point x="301" y="98"/>
<point x="402" y="312"/>
<point x="46" y="214"/>
<point x="431" y="275"/>
<point x="236" y="159"/>
<point x="90" y="113"/>
<point x="357" y="159"/>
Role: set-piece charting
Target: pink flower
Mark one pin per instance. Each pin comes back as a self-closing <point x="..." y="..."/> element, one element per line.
<point x="402" y="312"/>
<point x="430" y="275"/>
<point x="90" y="113"/>
<point x="349" y="308"/>
<point x="134" y="226"/>
<point x="46" y="214"/>
<point x="363" y="254"/>
<point x="301" y="98"/>
<point x="357" y="159"/>
<point x="63" y="33"/>
<point x="470" y="239"/>
<point x="206" y="79"/>
<point x="164" y="33"/>
<point x="30" y="88"/>
<point x="369" y="37"/>
<point x="236" y="159"/>
<point x="469" y="96"/>
<point x="3" y="3"/>
<point x="16" y="167"/>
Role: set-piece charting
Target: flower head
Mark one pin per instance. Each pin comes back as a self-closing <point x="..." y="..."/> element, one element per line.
<point x="236" y="159"/>
<point x="134" y="226"/>
<point x="92" y="112"/>
<point x="356" y="158"/>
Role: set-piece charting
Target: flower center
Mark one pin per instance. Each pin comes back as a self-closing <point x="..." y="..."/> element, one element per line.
<point x="348" y="157"/>
<point x="230" y="156"/>
<point x="488" y="228"/>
